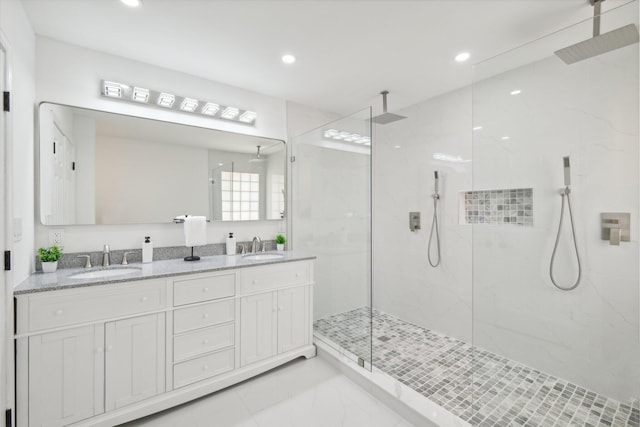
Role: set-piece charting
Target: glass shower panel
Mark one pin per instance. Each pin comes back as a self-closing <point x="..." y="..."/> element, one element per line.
<point x="546" y="133"/>
<point x="331" y="219"/>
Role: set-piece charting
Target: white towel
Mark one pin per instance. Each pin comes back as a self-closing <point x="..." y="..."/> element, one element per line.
<point x="195" y="230"/>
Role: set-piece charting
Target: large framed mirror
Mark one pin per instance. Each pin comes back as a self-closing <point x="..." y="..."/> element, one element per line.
<point x="104" y="168"/>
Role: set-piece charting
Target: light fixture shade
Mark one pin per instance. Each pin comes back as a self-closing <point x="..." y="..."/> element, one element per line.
<point x="189" y="105"/>
<point x="140" y="94"/>
<point x="112" y="89"/>
<point x="248" y="116"/>
<point x="166" y="100"/>
<point x="210" y="109"/>
<point x="230" y="113"/>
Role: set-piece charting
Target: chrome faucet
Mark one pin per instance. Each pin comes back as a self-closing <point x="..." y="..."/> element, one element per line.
<point x="105" y="255"/>
<point x="87" y="264"/>
<point x="255" y="244"/>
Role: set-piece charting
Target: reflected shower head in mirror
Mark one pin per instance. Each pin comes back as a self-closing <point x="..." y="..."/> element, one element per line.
<point x="599" y="43"/>
<point x="257" y="158"/>
<point x="567" y="171"/>
<point x="386" y="117"/>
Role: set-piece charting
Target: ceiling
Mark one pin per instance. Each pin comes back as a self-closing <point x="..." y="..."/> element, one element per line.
<point x="347" y="50"/>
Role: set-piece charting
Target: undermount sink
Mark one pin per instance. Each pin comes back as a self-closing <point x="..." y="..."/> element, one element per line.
<point x="101" y="274"/>
<point x="263" y="257"/>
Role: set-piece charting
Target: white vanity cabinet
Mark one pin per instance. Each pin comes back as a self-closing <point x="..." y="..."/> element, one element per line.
<point x="105" y="355"/>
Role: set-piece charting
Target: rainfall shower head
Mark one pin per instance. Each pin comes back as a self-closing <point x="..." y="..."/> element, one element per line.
<point x="599" y="43"/>
<point x="567" y="171"/>
<point x="385" y="117"/>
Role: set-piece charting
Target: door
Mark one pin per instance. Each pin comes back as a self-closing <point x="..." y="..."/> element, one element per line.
<point x="257" y="327"/>
<point x="135" y="363"/>
<point x="331" y="218"/>
<point x="293" y="318"/>
<point x="66" y="376"/>
<point x="6" y="293"/>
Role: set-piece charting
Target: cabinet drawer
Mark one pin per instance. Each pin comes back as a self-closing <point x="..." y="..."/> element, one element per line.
<point x="203" y="341"/>
<point x="56" y="309"/>
<point x="186" y="319"/>
<point x="203" y="289"/>
<point x="203" y="367"/>
<point x="256" y="279"/>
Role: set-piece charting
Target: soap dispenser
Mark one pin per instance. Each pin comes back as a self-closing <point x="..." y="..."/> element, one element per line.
<point x="147" y="250"/>
<point x="231" y="244"/>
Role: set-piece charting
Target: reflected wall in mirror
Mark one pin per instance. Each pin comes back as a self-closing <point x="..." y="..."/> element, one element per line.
<point x="105" y="168"/>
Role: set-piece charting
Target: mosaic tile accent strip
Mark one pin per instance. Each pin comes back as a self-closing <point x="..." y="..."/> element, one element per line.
<point x="478" y="386"/>
<point x="499" y="207"/>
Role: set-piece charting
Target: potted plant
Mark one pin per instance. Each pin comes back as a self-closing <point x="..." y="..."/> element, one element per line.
<point x="49" y="258"/>
<point x="280" y="241"/>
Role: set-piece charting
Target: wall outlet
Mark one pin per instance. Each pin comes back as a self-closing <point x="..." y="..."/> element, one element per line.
<point x="56" y="237"/>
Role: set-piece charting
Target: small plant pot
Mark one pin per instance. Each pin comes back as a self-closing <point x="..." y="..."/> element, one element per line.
<point x="280" y="247"/>
<point x="49" y="267"/>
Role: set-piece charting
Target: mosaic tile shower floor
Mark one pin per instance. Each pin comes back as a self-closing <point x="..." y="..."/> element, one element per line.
<point x="504" y="393"/>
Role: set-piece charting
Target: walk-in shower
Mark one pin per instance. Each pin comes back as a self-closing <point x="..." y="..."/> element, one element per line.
<point x="486" y="336"/>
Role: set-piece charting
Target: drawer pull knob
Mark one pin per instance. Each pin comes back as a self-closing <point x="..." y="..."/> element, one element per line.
<point x="255" y="282"/>
<point x="297" y="274"/>
<point x="143" y="299"/>
<point x="99" y="349"/>
<point x="58" y="312"/>
<point x="205" y="316"/>
<point x="279" y="308"/>
<point x="205" y="367"/>
<point x="205" y="341"/>
<point x="205" y="290"/>
<point x="109" y="347"/>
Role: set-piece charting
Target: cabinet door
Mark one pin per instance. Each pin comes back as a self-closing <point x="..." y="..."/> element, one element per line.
<point x="66" y="376"/>
<point x="257" y="327"/>
<point x="293" y="318"/>
<point x="134" y="360"/>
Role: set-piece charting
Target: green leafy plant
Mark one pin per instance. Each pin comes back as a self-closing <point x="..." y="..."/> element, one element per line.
<point x="280" y="239"/>
<point x="51" y="254"/>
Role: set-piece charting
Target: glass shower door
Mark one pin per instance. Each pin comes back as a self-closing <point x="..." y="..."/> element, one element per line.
<point x="331" y="219"/>
<point x="556" y="309"/>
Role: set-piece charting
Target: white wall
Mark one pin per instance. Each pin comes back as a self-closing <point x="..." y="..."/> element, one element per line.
<point x="71" y="75"/>
<point x="16" y="29"/>
<point x="404" y="284"/>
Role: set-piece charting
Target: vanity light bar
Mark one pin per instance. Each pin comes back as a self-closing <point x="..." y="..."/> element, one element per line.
<point x="167" y="100"/>
<point x="347" y="136"/>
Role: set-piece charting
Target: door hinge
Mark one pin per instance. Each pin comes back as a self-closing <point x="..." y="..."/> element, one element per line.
<point x="7" y="418"/>
<point x="6" y="101"/>
<point x="7" y="260"/>
<point x="293" y="159"/>
<point x="73" y="166"/>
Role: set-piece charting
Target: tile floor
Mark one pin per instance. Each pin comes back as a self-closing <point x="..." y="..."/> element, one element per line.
<point x="302" y="393"/>
<point x="453" y="374"/>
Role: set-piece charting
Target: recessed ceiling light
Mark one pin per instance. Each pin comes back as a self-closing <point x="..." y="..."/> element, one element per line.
<point x="396" y="146"/>
<point x="288" y="58"/>
<point x="516" y="92"/>
<point x="504" y="138"/>
<point x="463" y="56"/>
<point x="132" y="3"/>
<point x="477" y="128"/>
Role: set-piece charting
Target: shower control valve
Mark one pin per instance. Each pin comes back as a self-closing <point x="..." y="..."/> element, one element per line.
<point x="414" y="221"/>
<point x="615" y="227"/>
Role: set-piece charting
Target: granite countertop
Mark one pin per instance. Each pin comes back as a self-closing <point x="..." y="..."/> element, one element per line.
<point x="42" y="282"/>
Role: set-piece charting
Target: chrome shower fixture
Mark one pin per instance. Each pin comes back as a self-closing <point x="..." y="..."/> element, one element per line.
<point x="599" y="43"/>
<point x="434" y="223"/>
<point x="565" y="193"/>
<point x="165" y="100"/>
<point x="386" y="117"/>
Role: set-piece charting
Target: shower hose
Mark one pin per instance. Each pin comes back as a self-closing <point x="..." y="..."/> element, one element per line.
<point x="564" y="193"/>
<point x="434" y="226"/>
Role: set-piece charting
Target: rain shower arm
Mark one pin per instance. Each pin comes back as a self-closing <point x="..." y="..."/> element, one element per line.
<point x="597" y="8"/>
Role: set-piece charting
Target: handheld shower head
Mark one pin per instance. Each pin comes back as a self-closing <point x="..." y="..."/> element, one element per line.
<point x="567" y="171"/>
<point x="435" y="174"/>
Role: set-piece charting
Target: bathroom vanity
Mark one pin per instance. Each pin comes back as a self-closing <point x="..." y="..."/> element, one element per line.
<point x="105" y="351"/>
